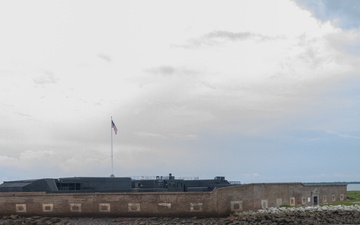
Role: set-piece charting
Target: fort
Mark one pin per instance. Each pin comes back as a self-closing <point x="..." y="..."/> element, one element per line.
<point x="220" y="201"/>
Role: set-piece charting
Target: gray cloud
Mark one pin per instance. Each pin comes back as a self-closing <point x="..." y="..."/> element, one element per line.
<point x="104" y="57"/>
<point x="170" y="70"/>
<point x="47" y="78"/>
<point x="21" y="114"/>
<point x="235" y="36"/>
<point x="163" y="70"/>
<point x="215" y="38"/>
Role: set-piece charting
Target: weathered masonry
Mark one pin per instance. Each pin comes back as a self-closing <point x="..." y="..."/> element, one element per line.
<point x="220" y="202"/>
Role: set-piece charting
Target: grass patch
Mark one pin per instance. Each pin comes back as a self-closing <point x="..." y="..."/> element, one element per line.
<point x="286" y="206"/>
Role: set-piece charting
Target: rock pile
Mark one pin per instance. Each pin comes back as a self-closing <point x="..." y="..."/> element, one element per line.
<point x="307" y="215"/>
<point x="304" y="215"/>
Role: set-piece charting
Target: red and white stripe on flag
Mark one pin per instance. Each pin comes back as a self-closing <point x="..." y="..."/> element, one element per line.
<point x="114" y="127"/>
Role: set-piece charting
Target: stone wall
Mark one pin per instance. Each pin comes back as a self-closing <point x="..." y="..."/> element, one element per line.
<point x="221" y="202"/>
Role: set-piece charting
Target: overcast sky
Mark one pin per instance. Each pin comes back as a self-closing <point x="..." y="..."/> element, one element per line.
<point x="253" y="90"/>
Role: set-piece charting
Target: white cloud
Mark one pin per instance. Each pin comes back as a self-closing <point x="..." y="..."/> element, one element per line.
<point x="342" y="135"/>
<point x="168" y="73"/>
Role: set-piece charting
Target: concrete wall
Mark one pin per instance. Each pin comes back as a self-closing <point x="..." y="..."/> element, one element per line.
<point x="220" y="202"/>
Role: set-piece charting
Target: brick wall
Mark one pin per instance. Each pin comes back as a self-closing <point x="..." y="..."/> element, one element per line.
<point x="220" y="202"/>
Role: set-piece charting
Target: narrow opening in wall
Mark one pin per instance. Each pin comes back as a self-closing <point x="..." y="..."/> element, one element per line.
<point x="134" y="207"/>
<point x="104" y="207"/>
<point x="292" y="201"/>
<point x="196" y="207"/>
<point x="303" y="200"/>
<point x="341" y="197"/>
<point x="264" y="203"/>
<point x="315" y="200"/>
<point x="324" y="199"/>
<point x="48" y="207"/>
<point x="236" y="205"/>
<point x="20" y="208"/>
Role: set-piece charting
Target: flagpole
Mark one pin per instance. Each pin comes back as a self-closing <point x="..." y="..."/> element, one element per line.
<point x="112" y="152"/>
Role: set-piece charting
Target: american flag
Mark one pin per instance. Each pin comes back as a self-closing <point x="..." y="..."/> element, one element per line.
<point x="114" y="127"/>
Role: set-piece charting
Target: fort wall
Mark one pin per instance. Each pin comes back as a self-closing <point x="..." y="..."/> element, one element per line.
<point x="220" y="202"/>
